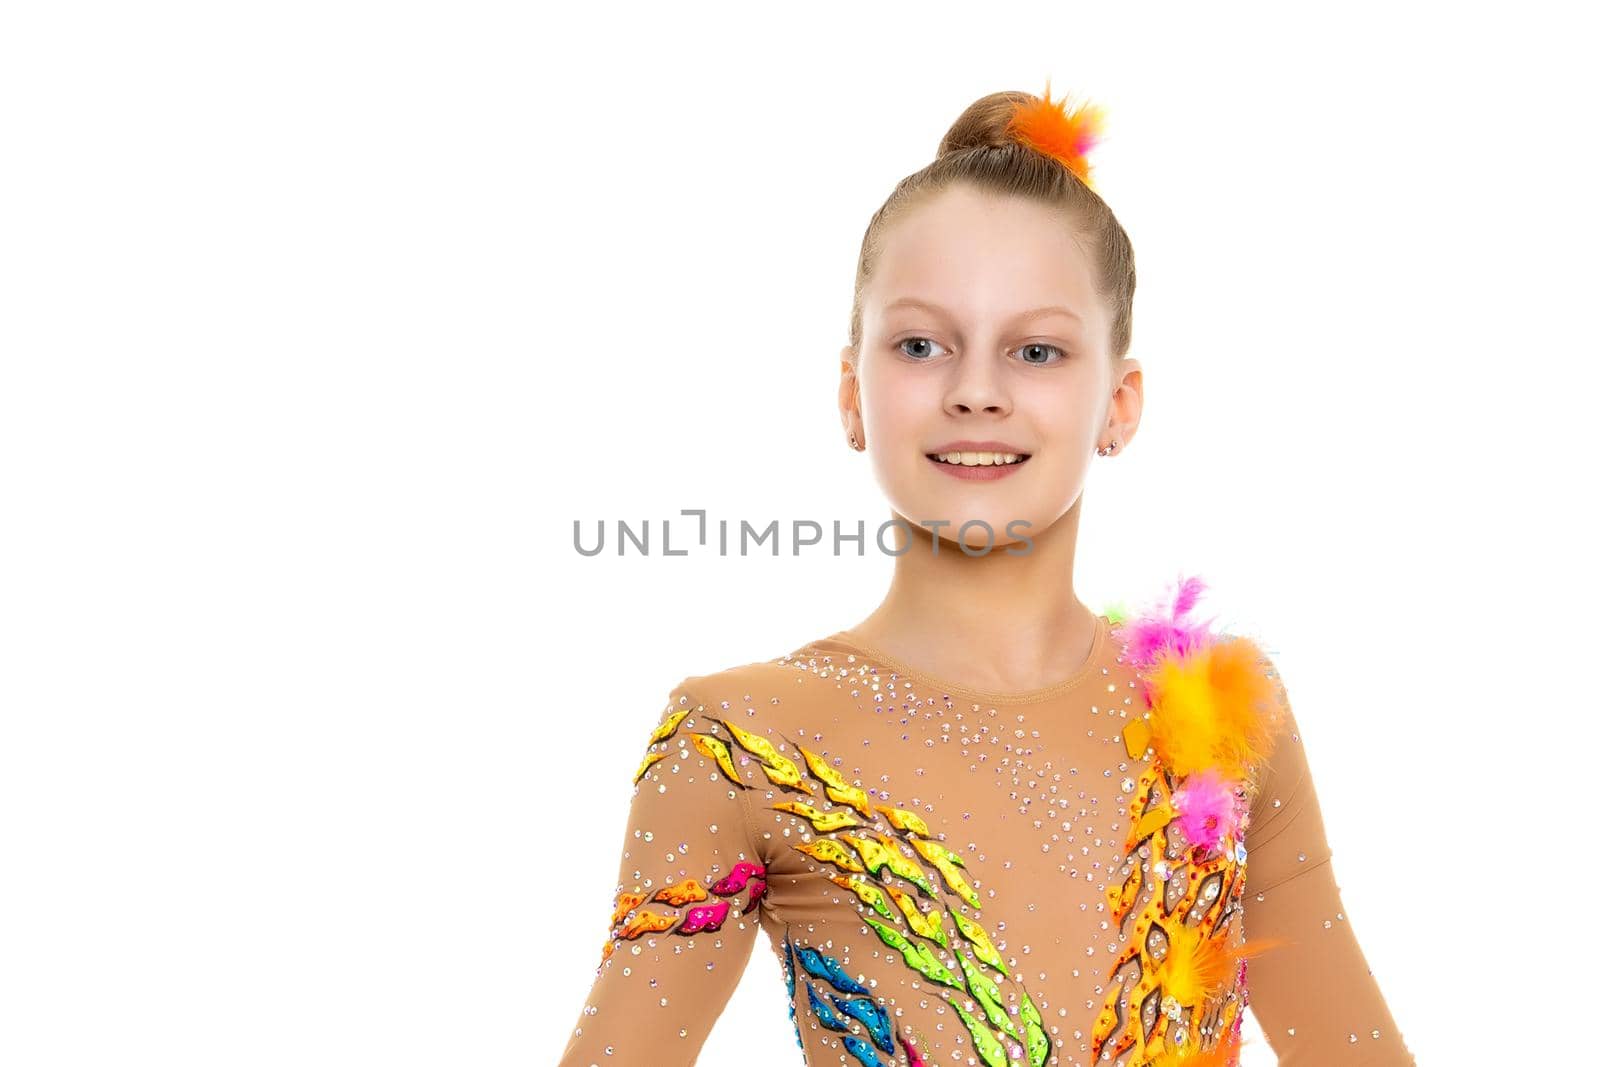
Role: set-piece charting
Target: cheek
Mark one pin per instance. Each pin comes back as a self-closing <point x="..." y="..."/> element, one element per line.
<point x="1061" y="415"/>
<point x="897" y="404"/>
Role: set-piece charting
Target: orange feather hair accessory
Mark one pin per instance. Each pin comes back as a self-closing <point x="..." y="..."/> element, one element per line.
<point x="1065" y="135"/>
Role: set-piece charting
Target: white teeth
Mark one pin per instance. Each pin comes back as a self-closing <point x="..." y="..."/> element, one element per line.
<point x="978" y="459"/>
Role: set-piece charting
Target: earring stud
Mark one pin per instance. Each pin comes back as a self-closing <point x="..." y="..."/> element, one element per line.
<point x="1107" y="450"/>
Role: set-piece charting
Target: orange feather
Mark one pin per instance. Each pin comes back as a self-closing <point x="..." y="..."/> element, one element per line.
<point x="1062" y="133"/>
<point x="1196" y="968"/>
<point x="1215" y="708"/>
<point x="1223" y="1055"/>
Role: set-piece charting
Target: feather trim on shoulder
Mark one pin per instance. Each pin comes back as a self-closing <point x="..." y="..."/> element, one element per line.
<point x="1213" y="703"/>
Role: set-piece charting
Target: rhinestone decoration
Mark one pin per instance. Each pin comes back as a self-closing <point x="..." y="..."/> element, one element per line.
<point x="945" y="875"/>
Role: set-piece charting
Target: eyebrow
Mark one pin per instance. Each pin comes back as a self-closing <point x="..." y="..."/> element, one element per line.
<point x="1032" y="313"/>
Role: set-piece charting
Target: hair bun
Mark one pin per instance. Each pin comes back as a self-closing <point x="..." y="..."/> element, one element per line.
<point x="1052" y="128"/>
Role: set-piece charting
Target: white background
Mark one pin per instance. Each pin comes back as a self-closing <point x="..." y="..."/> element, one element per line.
<point x="322" y="322"/>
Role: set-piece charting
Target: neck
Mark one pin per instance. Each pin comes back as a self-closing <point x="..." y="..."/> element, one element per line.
<point x="999" y="621"/>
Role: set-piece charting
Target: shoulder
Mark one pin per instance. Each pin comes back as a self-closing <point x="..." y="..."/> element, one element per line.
<point x="803" y="674"/>
<point x="778" y="698"/>
<point x="1215" y="697"/>
<point x="745" y="722"/>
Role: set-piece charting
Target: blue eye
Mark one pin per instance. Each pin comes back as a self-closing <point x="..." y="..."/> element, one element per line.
<point x="918" y="357"/>
<point x="1035" y="346"/>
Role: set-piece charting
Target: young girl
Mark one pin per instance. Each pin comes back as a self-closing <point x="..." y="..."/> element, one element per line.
<point x="986" y="825"/>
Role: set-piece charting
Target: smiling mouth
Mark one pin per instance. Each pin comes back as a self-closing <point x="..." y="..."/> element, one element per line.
<point x="978" y="459"/>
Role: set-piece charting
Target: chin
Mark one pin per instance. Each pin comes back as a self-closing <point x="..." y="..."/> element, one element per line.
<point x="953" y="511"/>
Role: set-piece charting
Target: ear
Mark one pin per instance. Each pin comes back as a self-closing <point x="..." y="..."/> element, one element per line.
<point x="1127" y="399"/>
<point x="849" y="391"/>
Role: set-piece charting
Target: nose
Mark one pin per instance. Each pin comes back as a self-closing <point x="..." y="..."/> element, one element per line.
<point x="976" y="385"/>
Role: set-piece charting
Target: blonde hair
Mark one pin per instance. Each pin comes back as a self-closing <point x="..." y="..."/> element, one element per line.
<point x="979" y="151"/>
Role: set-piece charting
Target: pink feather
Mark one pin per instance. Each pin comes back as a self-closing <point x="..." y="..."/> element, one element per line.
<point x="1208" y="808"/>
<point x="1148" y="636"/>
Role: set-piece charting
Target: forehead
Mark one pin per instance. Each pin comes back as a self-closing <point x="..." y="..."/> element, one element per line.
<point x="980" y="253"/>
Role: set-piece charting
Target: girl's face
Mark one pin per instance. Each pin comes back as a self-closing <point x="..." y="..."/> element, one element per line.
<point x="981" y="332"/>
